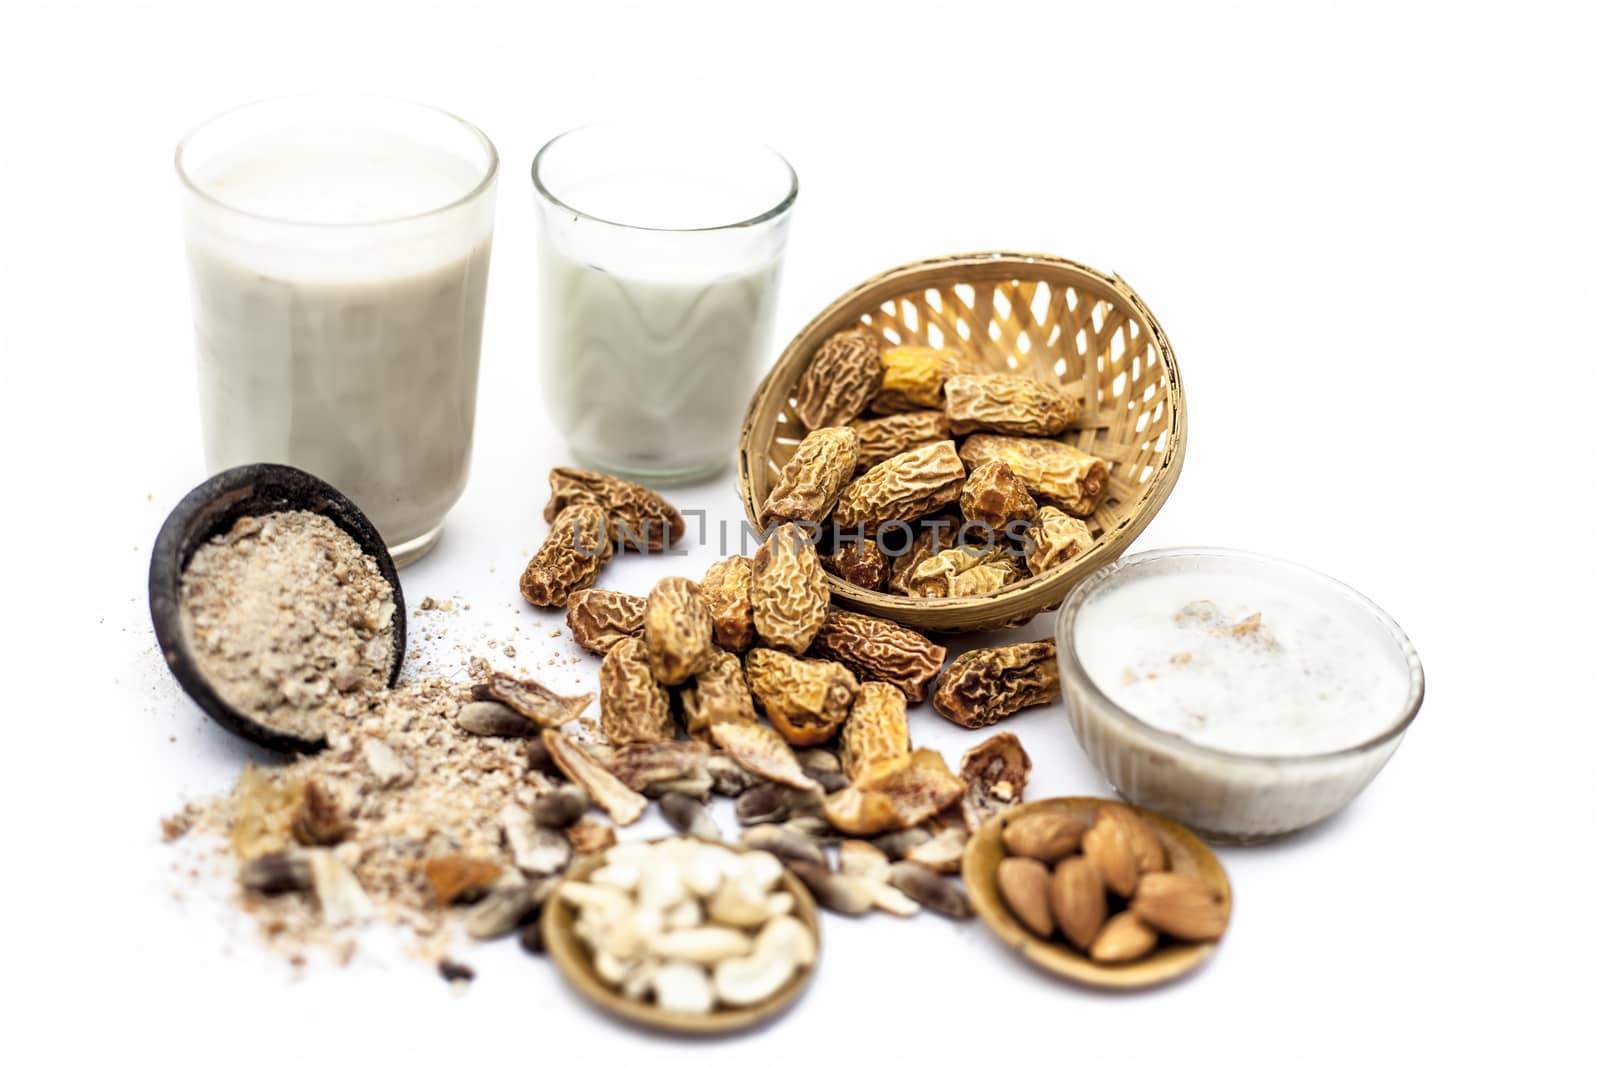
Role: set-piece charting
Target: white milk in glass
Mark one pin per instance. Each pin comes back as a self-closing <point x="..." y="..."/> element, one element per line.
<point x="339" y="276"/>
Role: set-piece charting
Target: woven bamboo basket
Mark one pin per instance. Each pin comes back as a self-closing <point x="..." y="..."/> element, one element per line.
<point x="1028" y="314"/>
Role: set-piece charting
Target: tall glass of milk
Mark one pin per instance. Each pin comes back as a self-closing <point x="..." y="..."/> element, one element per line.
<point x="339" y="251"/>
<point x="660" y="252"/>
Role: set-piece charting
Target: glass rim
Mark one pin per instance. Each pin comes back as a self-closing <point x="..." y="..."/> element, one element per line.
<point x="780" y="208"/>
<point x="1067" y="654"/>
<point x="491" y="168"/>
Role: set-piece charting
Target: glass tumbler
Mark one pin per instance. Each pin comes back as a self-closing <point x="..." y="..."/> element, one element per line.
<point x="660" y="251"/>
<point x="339" y="253"/>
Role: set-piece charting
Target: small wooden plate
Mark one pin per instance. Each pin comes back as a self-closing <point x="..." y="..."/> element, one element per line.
<point x="575" y="963"/>
<point x="1186" y="854"/>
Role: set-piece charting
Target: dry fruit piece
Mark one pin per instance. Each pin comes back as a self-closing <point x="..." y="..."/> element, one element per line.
<point x="1106" y="846"/>
<point x="928" y="540"/>
<point x="806" y="699"/>
<point x="985" y="685"/>
<point x="894" y="794"/>
<point x="1054" y="472"/>
<point x="639" y="518"/>
<point x="881" y="651"/>
<point x="719" y="694"/>
<point x="1024" y="885"/>
<point x="996" y="772"/>
<point x="1148" y="852"/>
<point x="763" y="752"/>
<point x="1124" y="937"/>
<point x="1078" y="900"/>
<point x="1181" y="906"/>
<point x="879" y="439"/>
<point x="726" y="589"/>
<point x="1007" y="403"/>
<point x="812" y="480"/>
<point x="456" y="876"/>
<point x="264" y="809"/>
<point x="634" y="707"/>
<point x="859" y="561"/>
<point x="677" y="631"/>
<point x="1055" y="538"/>
<point x="840" y="379"/>
<point x="788" y="589"/>
<point x="908" y="486"/>
<point x="532" y="700"/>
<point x="589" y="834"/>
<point x="996" y="497"/>
<point x="964" y="571"/>
<point x="320" y="819"/>
<point x="876" y="730"/>
<point x="599" y="618"/>
<point x="914" y="377"/>
<point x="946" y="896"/>
<point x="640" y="766"/>
<point x="578" y="545"/>
<point x="1046" y="836"/>
<point x="621" y="803"/>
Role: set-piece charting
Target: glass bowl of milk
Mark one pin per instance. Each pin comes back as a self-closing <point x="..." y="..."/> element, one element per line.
<point x="1242" y="695"/>
<point x="660" y="248"/>
<point x="339" y="254"/>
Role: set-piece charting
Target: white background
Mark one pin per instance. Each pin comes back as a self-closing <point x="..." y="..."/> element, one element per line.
<point x="1370" y="232"/>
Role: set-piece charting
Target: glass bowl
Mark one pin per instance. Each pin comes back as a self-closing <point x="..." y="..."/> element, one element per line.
<point x="1226" y="795"/>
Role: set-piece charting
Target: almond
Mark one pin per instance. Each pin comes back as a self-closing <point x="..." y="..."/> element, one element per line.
<point x="1148" y="850"/>
<point x="1046" y="836"/>
<point x="1078" y="900"/>
<point x="1124" y="938"/>
<point x="1181" y="906"/>
<point x="1106" y="846"/>
<point x="1025" y="886"/>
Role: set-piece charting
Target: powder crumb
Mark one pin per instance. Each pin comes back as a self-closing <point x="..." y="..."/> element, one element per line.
<point x="175" y="826"/>
<point x="555" y="631"/>
<point x="511" y="651"/>
<point x="284" y="612"/>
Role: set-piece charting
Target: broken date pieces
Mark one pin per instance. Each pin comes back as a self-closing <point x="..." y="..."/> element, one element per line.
<point x="877" y="729"/>
<point x="532" y="700"/>
<point x="1054" y="472"/>
<point x="983" y="686"/>
<point x="719" y="694"/>
<point x="617" y="800"/>
<point x="895" y="794"/>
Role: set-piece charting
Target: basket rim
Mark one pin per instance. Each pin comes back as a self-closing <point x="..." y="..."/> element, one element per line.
<point x="1035" y="594"/>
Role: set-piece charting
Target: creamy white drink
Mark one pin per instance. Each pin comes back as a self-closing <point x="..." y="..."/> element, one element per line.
<point x="659" y="263"/>
<point x="339" y="257"/>
<point x="1242" y="663"/>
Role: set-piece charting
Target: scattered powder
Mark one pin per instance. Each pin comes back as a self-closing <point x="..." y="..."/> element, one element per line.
<point x="284" y="612"/>
<point x="403" y="785"/>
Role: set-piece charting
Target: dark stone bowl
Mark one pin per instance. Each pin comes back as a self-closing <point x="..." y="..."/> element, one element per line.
<point x="210" y="509"/>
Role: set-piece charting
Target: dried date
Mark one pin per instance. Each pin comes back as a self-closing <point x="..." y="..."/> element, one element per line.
<point x="876" y="730"/>
<point x="914" y="377"/>
<point x="638" y="518"/>
<point x="1054" y="472"/>
<point x="983" y="686"/>
<point x="806" y="700"/>
<point x="881" y="651"/>
<point x="726" y="588"/>
<point x="1055" y="538"/>
<point x="908" y="486"/>
<point x="634" y="707"/>
<point x="859" y="561"/>
<point x="881" y="439"/>
<point x="996" y="498"/>
<point x="599" y="618"/>
<point x="815" y="475"/>
<point x="677" y="630"/>
<point x="841" y="378"/>
<point x="570" y="559"/>
<point x="1006" y="403"/>
<point x="788" y="590"/>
